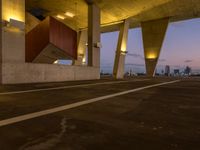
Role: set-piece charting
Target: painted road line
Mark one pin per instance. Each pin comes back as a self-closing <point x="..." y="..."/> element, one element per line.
<point x="67" y="87"/>
<point x="74" y="105"/>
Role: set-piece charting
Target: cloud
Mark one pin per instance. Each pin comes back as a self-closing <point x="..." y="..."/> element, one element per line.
<point x="136" y="55"/>
<point x="187" y="61"/>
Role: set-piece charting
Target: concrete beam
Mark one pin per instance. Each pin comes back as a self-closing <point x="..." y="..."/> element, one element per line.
<point x="93" y="35"/>
<point x="82" y="46"/>
<point x="153" y="36"/>
<point x="118" y="70"/>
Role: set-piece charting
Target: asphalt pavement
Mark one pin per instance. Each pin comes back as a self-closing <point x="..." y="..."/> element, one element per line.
<point x="131" y="114"/>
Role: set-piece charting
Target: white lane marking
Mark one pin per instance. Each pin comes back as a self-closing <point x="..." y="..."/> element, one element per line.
<point x="77" y="104"/>
<point x="67" y="87"/>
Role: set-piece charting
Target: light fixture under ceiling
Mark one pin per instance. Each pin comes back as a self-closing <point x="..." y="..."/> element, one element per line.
<point x="69" y="14"/>
<point x="60" y="17"/>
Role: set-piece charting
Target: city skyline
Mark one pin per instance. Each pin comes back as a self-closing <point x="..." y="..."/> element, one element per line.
<point x="181" y="47"/>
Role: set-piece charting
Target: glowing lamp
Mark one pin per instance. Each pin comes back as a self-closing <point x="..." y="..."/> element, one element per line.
<point x="124" y="52"/>
<point x="17" y="24"/>
<point x="151" y="56"/>
<point x="83" y="61"/>
<point x="60" y="17"/>
<point x="56" y="62"/>
<point x="69" y="14"/>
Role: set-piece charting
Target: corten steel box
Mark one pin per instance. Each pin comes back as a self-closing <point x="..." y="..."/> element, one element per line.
<point x="51" y="31"/>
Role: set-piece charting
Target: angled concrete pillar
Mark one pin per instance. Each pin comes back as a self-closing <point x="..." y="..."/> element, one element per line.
<point x="93" y="35"/>
<point x="118" y="70"/>
<point x="153" y="36"/>
<point x="82" y="46"/>
<point x="12" y="40"/>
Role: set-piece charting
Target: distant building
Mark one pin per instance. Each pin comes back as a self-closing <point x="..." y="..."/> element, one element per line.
<point x="167" y="70"/>
<point x="176" y="71"/>
<point x="187" y="70"/>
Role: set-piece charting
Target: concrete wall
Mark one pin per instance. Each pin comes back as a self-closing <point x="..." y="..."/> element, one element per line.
<point x="35" y="73"/>
<point x="13" y="45"/>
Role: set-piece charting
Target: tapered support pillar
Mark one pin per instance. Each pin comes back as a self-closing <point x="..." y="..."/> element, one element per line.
<point x="82" y="46"/>
<point x="153" y="36"/>
<point x="93" y="35"/>
<point x="118" y="70"/>
<point x="12" y="34"/>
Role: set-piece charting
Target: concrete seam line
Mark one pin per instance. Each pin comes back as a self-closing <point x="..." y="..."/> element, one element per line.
<point x="73" y="105"/>
<point x="67" y="87"/>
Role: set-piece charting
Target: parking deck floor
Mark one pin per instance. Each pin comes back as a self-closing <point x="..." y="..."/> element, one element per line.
<point x="134" y="114"/>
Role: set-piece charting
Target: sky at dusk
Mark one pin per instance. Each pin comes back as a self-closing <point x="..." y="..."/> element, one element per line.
<point x="181" y="48"/>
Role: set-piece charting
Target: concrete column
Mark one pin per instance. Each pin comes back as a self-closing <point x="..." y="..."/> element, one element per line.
<point x="93" y="35"/>
<point x="82" y="46"/>
<point x="153" y="36"/>
<point x="0" y="41"/>
<point x="12" y="39"/>
<point x="118" y="70"/>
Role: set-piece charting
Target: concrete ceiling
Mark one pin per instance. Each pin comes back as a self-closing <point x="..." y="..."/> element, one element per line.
<point x="115" y="11"/>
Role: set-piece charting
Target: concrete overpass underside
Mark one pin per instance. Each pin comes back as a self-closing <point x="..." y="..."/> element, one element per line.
<point x="85" y="19"/>
<point x="113" y="12"/>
